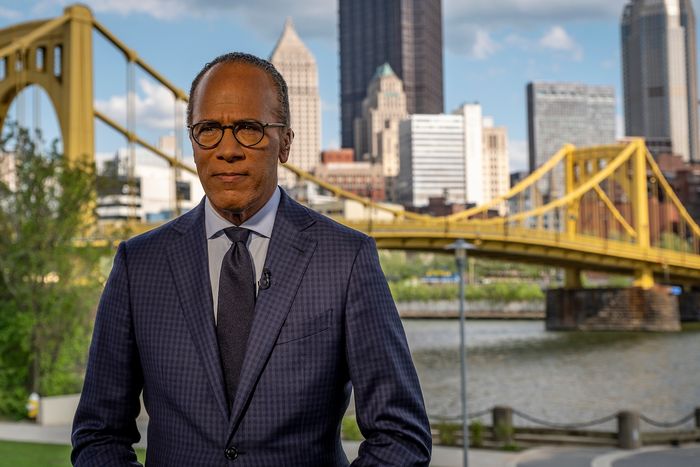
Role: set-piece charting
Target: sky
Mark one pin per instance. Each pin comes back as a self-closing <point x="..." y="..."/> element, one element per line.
<point x="492" y="49"/>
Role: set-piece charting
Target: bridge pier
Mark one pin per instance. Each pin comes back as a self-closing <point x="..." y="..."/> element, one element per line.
<point x="572" y="278"/>
<point x="689" y="306"/>
<point x="613" y="309"/>
<point x="644" y="278"/>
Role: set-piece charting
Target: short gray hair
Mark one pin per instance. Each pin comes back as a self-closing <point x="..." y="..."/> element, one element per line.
<point x="264" y="65"/>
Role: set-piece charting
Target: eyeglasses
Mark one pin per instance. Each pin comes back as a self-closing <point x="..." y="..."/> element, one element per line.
<point x="248" y="133"/>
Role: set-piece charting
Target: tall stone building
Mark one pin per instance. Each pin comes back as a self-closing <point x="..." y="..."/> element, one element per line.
<point x="298" y="67"/>
<point x="407" y="34"/>
<point x="659" y="60"/>
<point x="377" y="128"/>
<point x="495" y="161"/>
<point x="561" y="113"/>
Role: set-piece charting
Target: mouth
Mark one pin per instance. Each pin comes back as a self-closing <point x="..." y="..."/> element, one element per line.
<point x="229" y="177"/>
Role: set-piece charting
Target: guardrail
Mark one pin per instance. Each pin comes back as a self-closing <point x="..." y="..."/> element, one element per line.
<point x="503" y="433"/>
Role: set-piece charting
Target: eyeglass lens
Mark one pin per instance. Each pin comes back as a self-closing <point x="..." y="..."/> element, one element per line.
<point x="209" y="134"/>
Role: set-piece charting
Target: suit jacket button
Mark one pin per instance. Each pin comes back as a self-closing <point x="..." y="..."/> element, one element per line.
<point x="231" y="452"/>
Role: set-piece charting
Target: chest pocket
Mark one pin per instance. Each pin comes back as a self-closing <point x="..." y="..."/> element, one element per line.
<point x="298" y="328"/>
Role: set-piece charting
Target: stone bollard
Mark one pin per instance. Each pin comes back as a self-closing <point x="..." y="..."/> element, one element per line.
<point x="697" y="417"/>
<point x="628" y="435"/>
<point x="502" y="420"/>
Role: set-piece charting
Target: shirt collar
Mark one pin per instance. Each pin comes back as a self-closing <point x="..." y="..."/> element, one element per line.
<point x="261" y="222"/>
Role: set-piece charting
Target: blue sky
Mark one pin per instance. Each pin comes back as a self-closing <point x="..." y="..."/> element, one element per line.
<point x="492" y="49"/>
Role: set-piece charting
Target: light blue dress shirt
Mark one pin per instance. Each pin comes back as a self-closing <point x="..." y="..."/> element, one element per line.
<point x="260" y="225"/>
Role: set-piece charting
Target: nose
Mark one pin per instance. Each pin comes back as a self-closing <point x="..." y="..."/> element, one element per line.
<point x="229" y="149"/>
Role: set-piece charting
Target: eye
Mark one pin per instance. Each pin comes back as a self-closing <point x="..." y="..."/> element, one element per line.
<point x="248" y="127"/>
<point x="208" y="128"/>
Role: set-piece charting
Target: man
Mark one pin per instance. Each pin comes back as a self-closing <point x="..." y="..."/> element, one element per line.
<point x="231" y="372"/>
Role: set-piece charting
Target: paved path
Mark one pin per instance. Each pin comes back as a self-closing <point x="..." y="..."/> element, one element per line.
<point x="656" y="456"/>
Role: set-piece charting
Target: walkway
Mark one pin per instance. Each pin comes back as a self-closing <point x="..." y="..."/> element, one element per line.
<point x="655" y="456"/>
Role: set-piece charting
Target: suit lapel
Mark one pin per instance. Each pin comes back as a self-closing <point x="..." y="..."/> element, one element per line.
<point x="189" y="264"/>
<point x="288" y="256"/>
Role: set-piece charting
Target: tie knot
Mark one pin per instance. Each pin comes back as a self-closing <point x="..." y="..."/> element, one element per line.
<point x="237" y="234"/>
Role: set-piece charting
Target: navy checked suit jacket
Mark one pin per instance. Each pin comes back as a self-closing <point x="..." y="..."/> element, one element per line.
<point x="326" y="322"/>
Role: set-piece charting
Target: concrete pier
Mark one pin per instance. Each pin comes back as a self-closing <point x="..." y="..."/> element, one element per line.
<point x="613" y="309"/>
<point x="689" y="307"/>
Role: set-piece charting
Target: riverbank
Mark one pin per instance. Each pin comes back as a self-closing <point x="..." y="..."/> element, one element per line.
<point x="473" y="309"/>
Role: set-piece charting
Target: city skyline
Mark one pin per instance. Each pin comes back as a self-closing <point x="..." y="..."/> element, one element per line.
<point x="406" y="34"/>
<point x="660" y="75"/>
<point x="491" y="52"/>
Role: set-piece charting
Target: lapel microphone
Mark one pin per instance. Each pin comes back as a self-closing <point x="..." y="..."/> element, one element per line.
<point x="266" y="279"/>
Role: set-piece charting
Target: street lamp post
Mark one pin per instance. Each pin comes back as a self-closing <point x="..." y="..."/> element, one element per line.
<point x="460" y="248"/>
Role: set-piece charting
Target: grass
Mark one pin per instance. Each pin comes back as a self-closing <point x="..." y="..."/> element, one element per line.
<point x="19" y="454"/>
<point x="350" y="430"/>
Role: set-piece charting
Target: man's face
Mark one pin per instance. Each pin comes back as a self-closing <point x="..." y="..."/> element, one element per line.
<point x="239" y="180"/>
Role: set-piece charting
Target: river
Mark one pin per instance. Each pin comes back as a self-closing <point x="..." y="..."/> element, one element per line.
<point x="563" y="377"/>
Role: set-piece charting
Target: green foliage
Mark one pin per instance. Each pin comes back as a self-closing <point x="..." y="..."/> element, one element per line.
<point x="401" y="265"/>
<point x="505" y="433"/>
<point x="476" y="433"/>
<point x="447" y="432"/>
<point x="413" y="290"/>
<point x="673" y="241"/>
<point x="48" y="455"/>
<point x="350" y="430"/>
<point x="49" y="283"/>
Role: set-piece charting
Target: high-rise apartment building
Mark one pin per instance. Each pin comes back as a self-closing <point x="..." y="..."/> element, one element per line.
<point x="659" y="60"/>
<point x="441" y="155"/>
<point x="407" y="34"/>
<point x="377" y="128"/>
<point x="298" y="67"/>
<point x="561" y="113"/>
<point x="496" y="179"/>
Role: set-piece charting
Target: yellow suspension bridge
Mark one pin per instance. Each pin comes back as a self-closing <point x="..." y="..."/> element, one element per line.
<point x="618" y="213"/>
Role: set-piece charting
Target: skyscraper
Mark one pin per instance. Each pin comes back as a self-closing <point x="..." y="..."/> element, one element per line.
<point x="561" y="113"/>
<point x="495" y="161"/>
<point x="442" y="155"/>
<point x="298" y="67"/>
<point x="377" y="128"/>
<point x="660" y="75"/>
<point x="407" y="34"/>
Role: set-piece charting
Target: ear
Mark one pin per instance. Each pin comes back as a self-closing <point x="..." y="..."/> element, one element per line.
<point x="286" y="144"/>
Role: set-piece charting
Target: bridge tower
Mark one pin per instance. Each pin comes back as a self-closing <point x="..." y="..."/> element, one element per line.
<point x="56" y="55"/>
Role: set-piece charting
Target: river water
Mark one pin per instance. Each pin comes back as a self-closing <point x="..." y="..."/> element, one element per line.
<point x="562" y="377"/>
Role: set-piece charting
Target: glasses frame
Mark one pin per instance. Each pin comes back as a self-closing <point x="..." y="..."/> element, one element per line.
<point x="233" y="127"/>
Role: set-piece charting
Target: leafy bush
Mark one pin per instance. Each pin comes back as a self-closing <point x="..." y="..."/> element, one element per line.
<point x="412" y="290"/>
<point x="49" y="284"/>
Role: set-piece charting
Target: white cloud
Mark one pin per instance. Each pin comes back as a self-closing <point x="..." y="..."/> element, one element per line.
<point x="483" y="46"/>
<point x="8" y="13"/>
<point x="559" y="40"/>
<point x="518" y="155"/>
<point x="508" y="17"/>
<point x="154" y="106"/>
<point x="312" y="18"/>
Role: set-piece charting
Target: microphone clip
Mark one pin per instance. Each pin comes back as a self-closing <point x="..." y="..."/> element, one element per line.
<point x="266" y="280"/>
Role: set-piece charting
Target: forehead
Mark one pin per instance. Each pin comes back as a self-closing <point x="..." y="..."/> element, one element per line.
<point x="239" y="88"/>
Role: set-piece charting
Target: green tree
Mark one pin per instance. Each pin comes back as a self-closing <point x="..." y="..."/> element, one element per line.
<point x="50" y="278"/>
